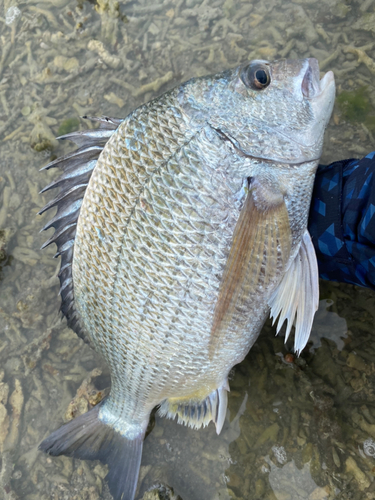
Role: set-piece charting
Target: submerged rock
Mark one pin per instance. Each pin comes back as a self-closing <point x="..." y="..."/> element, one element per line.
<point x="161" y="492"/>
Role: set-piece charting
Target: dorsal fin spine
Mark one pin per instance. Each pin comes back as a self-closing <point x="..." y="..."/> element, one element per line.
<point x="77" y="167"/>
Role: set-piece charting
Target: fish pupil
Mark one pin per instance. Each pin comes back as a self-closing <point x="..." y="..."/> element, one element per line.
<point x="261" y="76"/>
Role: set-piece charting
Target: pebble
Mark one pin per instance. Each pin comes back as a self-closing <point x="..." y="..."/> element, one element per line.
<point x="289" y="358"/>
<point x="369" y="447"/>
<point x="280" y="454"/>
<point x="12" y="14"/>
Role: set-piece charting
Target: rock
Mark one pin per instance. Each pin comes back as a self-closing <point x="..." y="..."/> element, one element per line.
<point x="151" y="495"/>
<point x="86" y="398"/>
<point x="4" y="389"/>
<point x="4" y="426"/>
<point x="161" y="492"/>
<point x="360" y="477"/>
<point x="319" y="494"/>
<point x="110" y="60"/>
<point x="366" y="22"/>
<point x="354" y="361"/>
<point x="16" y="400"/>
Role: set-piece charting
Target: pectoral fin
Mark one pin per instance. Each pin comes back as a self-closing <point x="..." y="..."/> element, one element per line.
<point x="260" y="249"/>
<point x="297" y="297"/>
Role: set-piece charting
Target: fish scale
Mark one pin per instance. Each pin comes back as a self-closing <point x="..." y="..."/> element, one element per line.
<point x="128" y="275"/>
<point x="191" y="231"/>
<point x="128" y="270"/>
<point x="158" y="269"/>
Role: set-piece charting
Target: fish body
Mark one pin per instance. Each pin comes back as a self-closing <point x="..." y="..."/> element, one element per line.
<point x="191" y="230"/>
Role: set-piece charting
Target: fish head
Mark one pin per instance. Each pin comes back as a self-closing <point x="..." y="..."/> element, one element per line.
<point x="268" y="110"/>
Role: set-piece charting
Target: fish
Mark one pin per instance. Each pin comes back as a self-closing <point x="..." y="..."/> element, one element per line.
<point x="181" y="228"/>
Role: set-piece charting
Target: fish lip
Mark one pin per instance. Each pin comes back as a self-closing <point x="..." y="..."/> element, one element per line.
<point x="312" y="87"/>
<point x="327" y="79"/>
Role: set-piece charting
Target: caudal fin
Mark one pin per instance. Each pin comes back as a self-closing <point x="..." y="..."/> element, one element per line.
<point x="88" y="438"/>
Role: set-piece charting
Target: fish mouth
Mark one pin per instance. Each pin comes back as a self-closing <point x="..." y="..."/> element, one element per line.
<point x="312" y="86"/>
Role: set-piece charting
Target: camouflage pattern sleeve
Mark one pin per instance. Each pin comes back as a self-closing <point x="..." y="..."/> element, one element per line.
<point x="342" y="221"/>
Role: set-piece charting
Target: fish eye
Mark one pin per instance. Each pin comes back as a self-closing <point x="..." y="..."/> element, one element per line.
<point x="256" y="77"/>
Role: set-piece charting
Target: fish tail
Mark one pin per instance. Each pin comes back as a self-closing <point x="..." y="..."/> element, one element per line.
<point x="89" y="438"/>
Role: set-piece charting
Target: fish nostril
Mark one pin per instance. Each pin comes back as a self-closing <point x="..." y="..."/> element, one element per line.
<point x="310" y="83"/>
<point x="308" y="89"/>
<point x="306" y="83"/>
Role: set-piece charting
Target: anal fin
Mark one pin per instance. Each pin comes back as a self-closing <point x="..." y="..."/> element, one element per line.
<point x="197" y="413"/>
<point x="296" y="299"/>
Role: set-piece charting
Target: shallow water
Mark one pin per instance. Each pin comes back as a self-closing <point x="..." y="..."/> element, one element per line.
<point x="300" y="430"/>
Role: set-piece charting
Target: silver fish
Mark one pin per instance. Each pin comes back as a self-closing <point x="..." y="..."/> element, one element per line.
<point x="180" y="229"/>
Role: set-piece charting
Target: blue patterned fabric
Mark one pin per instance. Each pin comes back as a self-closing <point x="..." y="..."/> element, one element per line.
<point x="342" y="221"/>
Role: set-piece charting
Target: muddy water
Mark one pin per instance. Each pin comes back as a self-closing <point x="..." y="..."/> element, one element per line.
<point x="295" y="430"/>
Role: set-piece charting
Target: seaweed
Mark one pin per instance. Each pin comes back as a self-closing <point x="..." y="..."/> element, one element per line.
<point x="355" y="105"/>
<point x="68" y="125"/>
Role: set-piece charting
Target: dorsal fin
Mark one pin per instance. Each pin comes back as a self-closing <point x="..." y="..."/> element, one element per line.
<point x="296" y="299"/>
<point x="77" y="168"/>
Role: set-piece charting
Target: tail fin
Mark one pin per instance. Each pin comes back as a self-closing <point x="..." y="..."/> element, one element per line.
<point x="88" y="438"/>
